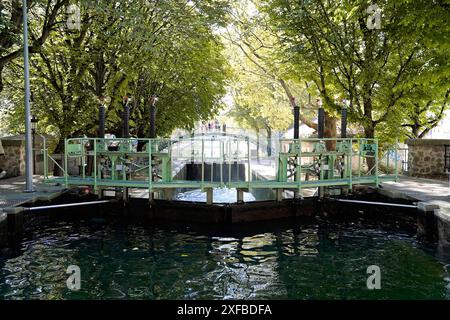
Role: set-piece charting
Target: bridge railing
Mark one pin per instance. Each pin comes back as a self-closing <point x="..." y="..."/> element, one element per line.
<point x="219" y="161"/>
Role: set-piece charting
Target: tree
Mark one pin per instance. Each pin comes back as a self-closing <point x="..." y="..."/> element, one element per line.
<point x="333" y="45"/>
<point x="261" y="81"/>
<point x="45" y="13"/>
<point x="134" y="48"/>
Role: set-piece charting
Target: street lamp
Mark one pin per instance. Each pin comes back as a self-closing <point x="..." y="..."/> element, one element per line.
<point x="26" y="64"/>
<point x="34" y="122"/>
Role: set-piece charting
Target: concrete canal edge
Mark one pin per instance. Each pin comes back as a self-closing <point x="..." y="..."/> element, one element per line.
<point x="228" y="213"/>
<point x="433" y="221"/>
<point x="3" y="229"/>
<point x="15" y="223"/>
<point x="443" y="226"/>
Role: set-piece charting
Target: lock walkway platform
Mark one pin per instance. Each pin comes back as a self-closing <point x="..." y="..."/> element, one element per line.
<point x="158" y="164"/>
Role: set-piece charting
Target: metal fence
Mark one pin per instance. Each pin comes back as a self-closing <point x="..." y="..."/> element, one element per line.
<point x="292" y="164"/>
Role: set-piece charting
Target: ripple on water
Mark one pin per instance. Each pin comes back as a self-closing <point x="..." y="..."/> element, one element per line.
<point x="127" y="261"/>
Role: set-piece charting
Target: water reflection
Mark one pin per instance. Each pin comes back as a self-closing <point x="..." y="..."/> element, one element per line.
<point x="121" y="260"/>
<point x="220" y="195"/>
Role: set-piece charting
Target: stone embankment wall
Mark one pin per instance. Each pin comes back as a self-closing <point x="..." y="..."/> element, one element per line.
<point x="13" y="161"/>
<point x="426" y="157"/>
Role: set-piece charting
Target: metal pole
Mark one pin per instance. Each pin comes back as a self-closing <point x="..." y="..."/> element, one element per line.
<point x="67" y="205"/>
<point x="28" y="146"/>
<point x="126" y="119"/>
<point x="377" y="203"/>
<point x="101" y="121"/>
<point x="296" y="122"/>
<point x="344" y="123"/>
<point x="321" y="123"/>
<point x="153" y="100"/>
<point x="33" y="131"/>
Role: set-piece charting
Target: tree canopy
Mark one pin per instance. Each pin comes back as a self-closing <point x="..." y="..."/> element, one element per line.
<point x="378" y="69"/>
<point x="138" y="49"/>
<point x="386" y="61"/>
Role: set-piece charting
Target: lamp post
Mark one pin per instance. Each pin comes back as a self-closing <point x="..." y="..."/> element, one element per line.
<point x="28" y="146"/>
<point x="34" y="122"/>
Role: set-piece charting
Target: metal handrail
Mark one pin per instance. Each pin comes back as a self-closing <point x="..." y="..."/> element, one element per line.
<point x="222" y="152"/>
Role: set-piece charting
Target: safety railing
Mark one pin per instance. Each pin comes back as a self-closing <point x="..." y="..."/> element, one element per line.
<point x="219" y="161"/>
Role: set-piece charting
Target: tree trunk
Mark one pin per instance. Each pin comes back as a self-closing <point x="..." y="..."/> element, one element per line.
<point x="330" y="130"/>
<point x="369" y="133"/>
<point x="369" y="126"/>
<point x="269" y="141"/>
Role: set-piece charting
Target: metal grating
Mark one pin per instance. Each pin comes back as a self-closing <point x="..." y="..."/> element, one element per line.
<point x="9" y="203"/>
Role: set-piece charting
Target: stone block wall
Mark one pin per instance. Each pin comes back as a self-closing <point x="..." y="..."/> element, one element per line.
<point x="426" y="157"/>
<point x="14" y="160"/>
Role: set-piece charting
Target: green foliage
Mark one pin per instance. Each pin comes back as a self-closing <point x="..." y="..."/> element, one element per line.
<point x="133" y="48"/>
<point x="260" y="93"/>
<point x="379" y="71"/>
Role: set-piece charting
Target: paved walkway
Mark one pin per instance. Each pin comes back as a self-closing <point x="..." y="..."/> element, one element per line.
<point x="433" y="191"/>
<point x="12" y="191"/>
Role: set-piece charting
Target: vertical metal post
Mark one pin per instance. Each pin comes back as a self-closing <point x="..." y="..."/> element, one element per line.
<point x="126" y="119"/>
<point x="248" y="163"/>
<point x="344" y="122"/>
<point x="28" y="146"/>
<point x="83" y="159"/>
<point x="44" y="152"/>
<point x="229" y="163"/>
<point x="296" y="122"/>
<point x="377" y="181"/>
<point x="299" y="168"/>
<point x="212" y="161"/>
<point x="66" y="164"/>
<point x="222" y="156"/>
<point x="203" y="163"/>
<point x="153" y="100"/>
<point x="359" y="159"/>
<point x="95" y="166"/>
<point x="396" y="161"/>
<point x="33" y="143"/>
<point x="237" y="160"/>
<point x="321" y="123"/>
<point x="321" y="177"/>
<point x="150" y="170"/>
<point x="101" y="122"/>
<point x="350" y="165"/>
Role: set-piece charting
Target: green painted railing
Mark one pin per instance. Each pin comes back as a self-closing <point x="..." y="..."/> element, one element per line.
<point x="155" y="163"/>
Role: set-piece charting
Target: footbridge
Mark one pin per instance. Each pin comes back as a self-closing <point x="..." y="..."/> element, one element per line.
<point x="218" y="160"/>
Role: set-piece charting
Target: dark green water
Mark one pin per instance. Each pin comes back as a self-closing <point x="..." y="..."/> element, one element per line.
<point x="122" y="260"/>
